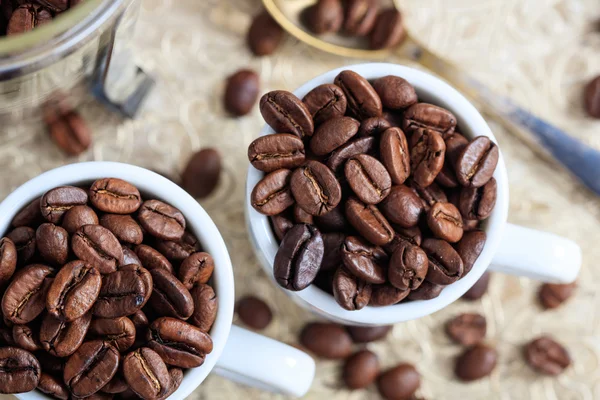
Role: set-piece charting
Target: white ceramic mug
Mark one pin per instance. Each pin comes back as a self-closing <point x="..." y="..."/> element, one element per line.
<point x="237" y="354"/>
<point x="509" y="248"/>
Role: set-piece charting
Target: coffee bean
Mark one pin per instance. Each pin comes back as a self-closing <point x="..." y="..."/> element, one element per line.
<point x="393" y="117"/>
<point x="400" y="382"/>
<point x="25" y="297"/>
<point x="6" y="338"/>
<point x="254" y="312"/>
<point x="146" y="373"/>
<point x="178" y="250"/>
<point x="423" y="116"/>
<point x="176" y="379"/>
<point x="97" y="246"/>
<point x="56" y="202"/>
<point x="301" y="216"/>
<point x="299" y="257"/>
<point x="281" y="225"/>
<point x="547" y="356"/>
<point x="361" y="369"/>
<point x="115" y="196"/>
<point x="445" y="222"/>
<point x="552" y="295"/>
<point x="387" y="295"/>
<point x="470" y="247"/>
<point x="367" y="334"/>
<point x="430" y="195"/>
<point x="120" y="332"/>
<point x="50" y="364"/>
<point x="477" y="162"/>
<point x="426" y="156"/>
<point x="91" y="367"/>
<point x="326" y="340"/>
<point x="272" y="195"/>
<point x="408" y="267"/>
<point x="124" y="292"/>
<point x="395" y="93"/>
<point x="152" y="259"/>
<point x="411" y="235"/>
<point x="74" y="291"/>
<point x="202" y="173"/>
<point x="332" y="257"/>
<point x="117" y="384"/>
<point x="241" y="92"/>
<point x="27" y="17"/>
<point x="161" y="220"/>
<point x="205" y="307"/>
<point x="592" y="97"/>
<point x="360" y="16"/>
<point x="477" y="203"/>
<point x="349" y="291"/>
<point x="70" y="132"/>
<point x="125" y="229"/>
<point x="445" y="265"/>
<point x="332" y="134"/>
<point x="326" y="16"/>
<point x="363" y="101"/>
<point x="479" y="288"/>
<point x="333" y="221"/>
<point x="264" y="34"/>
<point x="179" y="343"/>
<point x="368" y="178"/>
<point x="455" y="144"/>
<point x="285" y="113"/>
<point x="196" y="269"/>
<point x="30" y="215"/>
<point x="272" y="152"/>
<point x="8" y="260"/>
<point x="395" y="155"/>
<point x="475" y="363"/>
<point x="402" y="206"/>
<point x="364" y="260"/>
<point x="52" y="386"/>
<point x="369" y="222"/>
<point x="61" y="338"/>
<point x="170" y="297"/>
<point x="24" y="239"/>
<point x="19" y="371"/>
<point x="388" y="31"/>
<point x="325" y="102"/>
<point x="129" y="257"/>
<point x="467" y="329"/>
<point x="315" y="188"/>
<point x="52" y="243"/>
<point x="25" y="338"/>
<point x="77" y="217"/>
<point x="426" y="291"/>
<point x="338" y="158"/>
<point x="140" y="320"/>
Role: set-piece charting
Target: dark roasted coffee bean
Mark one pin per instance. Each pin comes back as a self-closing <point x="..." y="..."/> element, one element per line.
<point x="24" y="239"/>
<point x="117" y="384"/>
<point x="408" y="267"/>
<point x="333" y="221"/>
<point x="299" y="257"/>
<point x="426" y="156"/>
<point x="388" y="31"/>
<point x="178" y="250"/>
<point x="332" y="134"/>
<point x="129" y="257"/>
<point x="205" y="307"/>
<point x="25" y="338"/>
<point x="115" y="196"/>
<point x="361" y="369"/>
<point x="479" y="288"/>
<point x="178" y="343"/>
<point x="202" y="173"/>
<point x="30" y="215"/>
<point x="140" y="321"/>
<point x="56" y="202"/>
<point x="592" y="97"/>
<point x="363" y="101"/>
<point x="475" y="363"/>
<point x="74" y="291"/>
<point x="176" y="375"/>
<point x="161" y="220"/>
<point x="426" y="291"/>
<point x="547" y="356"/>
<point x="124" y="292"/>
<point x="470" y="247"/>
<point x="196" y="269"/>
<point x="53" y="386"/>
<point x="360" y="16"/>
<point x="445" y="222"/>
<point x="552" y="295"/>
<point x="315" y="188"/>
<point x="430" y="195"/>
<point x="52" y="243"/>
<point x="338" y="158"/>
<point x="60" y="338"/>
<point x="301" y="216"/>
<point x="70" y="132"/>
<point x="325" y="102"/>
<point x="19" y="371"/>
<point x="368" y="178"/>
<point x="399" y="383"/>
<point x="326" y="340"/>
<point x="333" y="243"/>
<point x="387" y="295"/>
<point x="423" y="116"/>
<point x="373" y="126"/>
<point x="467" y="329"/>
<point x="91" y="367"/>
<point x="241" y="92"/>
<point x="326" y="16"/>
<point x="402" y="206"/>
<point x="455" y="144"/>
<point x="27" y="17"/>
<point x="366" y="334"/>
<point x="151" y="258"/>
<point x="120" y="332"/>
<point x="445" y="265"/>
<point x="395" y="155"/>
<point x="146" y="373"/>
<point x="6" y="337"/>
<point x="264" y="34"/>
<point x="254" y="312"/>
<point x="285" y="113"/>
<point x="477" y="162"/>
<point x="410" y="235"/>
<point x="77" y="217"/>
<point x="369" y="222"/>
<point x="125" y="229"/>
<point x="350" y="292"/>
<point x="393" y="117"/>
<point x="395" y="93"/>
<point x="97" y="246"/>
<point x="8" y="260"/>
<point x="51" y="364"/>
<point x="363" y="260"/>
<point x="477" y="203"/>
<point x="281" y="225"/>
<point x="272" y="152"/>
<point x="272" y="195"/>
<point x="170" y="297"/>
<point x="25" y="297"/>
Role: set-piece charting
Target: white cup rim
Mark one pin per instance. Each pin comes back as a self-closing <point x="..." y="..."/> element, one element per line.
<point x="198" y="222"/>
<point x="471" y="123"/>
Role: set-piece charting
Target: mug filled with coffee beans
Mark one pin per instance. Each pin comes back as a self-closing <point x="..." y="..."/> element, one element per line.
<point x="377" y="194"/>
<point x="116" y="283"/>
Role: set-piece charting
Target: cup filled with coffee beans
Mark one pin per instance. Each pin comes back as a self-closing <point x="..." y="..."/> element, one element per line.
<point x="377" y="194"/>
<point x="116" y="283"/>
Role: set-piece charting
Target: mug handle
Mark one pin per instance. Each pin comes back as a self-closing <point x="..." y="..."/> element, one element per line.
<point x="264" y="363"/>
<point x="538" y="255"/>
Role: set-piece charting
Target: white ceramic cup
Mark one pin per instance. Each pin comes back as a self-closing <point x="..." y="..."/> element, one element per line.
<point x="509" y="248"/>
<point x="237" y="354"/>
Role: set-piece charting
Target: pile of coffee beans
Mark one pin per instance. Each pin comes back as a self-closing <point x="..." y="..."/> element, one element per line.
<point x="19" y="16"/>
<point x="375" y="196"/>
<point x="104" y="294"/>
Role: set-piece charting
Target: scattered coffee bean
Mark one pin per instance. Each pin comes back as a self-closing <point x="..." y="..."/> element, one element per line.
<point x="592" y="97"/>
<point x="400" y="382"/>
<point x="326" y="340"/>
<point x="202" y="173"/>
<point x="366" y="334"/>
<point x="264" y="35"/>
<point x="241" y="92"/>
<point x="547" y="356"/>
<point x="467" y="329"/>
<point x="69" y="132"/>
<point x="476" y="362"/>
<point x="479" y="288"/>
<point x="254" y="312"/>
<point x="552" y="295"/>
<point x="361" y="369"/>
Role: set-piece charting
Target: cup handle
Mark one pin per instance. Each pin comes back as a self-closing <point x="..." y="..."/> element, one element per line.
<point x="538" y="255"/>
<point x="264" y="363"/>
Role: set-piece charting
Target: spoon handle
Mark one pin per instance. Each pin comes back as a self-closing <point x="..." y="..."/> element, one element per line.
<point x="580" y="159"/>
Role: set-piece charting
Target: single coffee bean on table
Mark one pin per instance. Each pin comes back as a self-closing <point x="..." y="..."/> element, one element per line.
<point x="467" y="329"/>
<point x="400" y="382"/>
<point x="360" y="369"/>
<point x="69" y="132"/>
<point x="552" y="295"/>
<point x="241" y="92"/>
<point x="326" y="340"/>
<point x="202" y="173"/>
<point x="547" y="356"/>
<point x="254" y="312"/>
<point x="366" y="334"/>
<point x="476" y="363"/>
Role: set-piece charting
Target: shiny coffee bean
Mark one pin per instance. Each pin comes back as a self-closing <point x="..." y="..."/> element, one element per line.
<point x="410" y="235"/>
<point x="363" y="101"/>
<point x="408" y="267"/>
<point x="91" y="367"/>
<point x="264" y="34"/>
<point x="364" y="260"/>
<point x="115" y="196"/>
<point x="315" y="188"/>
<point x="50" y="364"/>
<point x="24" y="239"/>
<point x="241" y="92"/>
<point x="254" y="312"/>
<point x="176" y="375"/>
<point x="361" y="369"/>
<point x="400" y="382"/>
<point x="402" y="206"/>
<point x="475" y="363"/>
<point x="423" y="116"/>
<point x="25" y="297"/>
<point x="97" y="246"/>
<point x="161" y="220"/>
<point x="61" y="338"/>
<point x="394" y="118"/>
<point x="332" y="134"/>
<point x="333" y="221"/>
<point x="325" y="102"/>
<point x="52" y="243"/>
<point x="125" y="229"/>
<point x="388" y="31"/>
<point x="19" y="371"/>
<point x="205" y="307"/>
<point x="140" y="321"/>
<point x="52" y="386"/>
<point x="179" y="343"/>
<point x="368" y="178"/>
<point x="281" y="224"/>
<point x="455" y="144"/>
<point x="299" y="257"/>
<point x="170" y="297"/>
<point x="120" y="332"/>
<point x="124" y="292"/>
<point x="146" y="373"/>
<point x="479" y="288"/>
<point x="272" y="195"/>
<point x="367" y="334"/>
<point x="395" y="155"/>
<point x="387" y="295"/>
<point x="477" y="203"/>
<point x="30" y="215"/>
<point x="8" y="260"/>
<point x="285" y="113"/>
<point x="552" y="295"/>
<point x="445" y="222"/>
<point x="360" y="16"/>
<point x="592" y="97"/>
<point x="445" y="265"/>
<point x="430" y="195"/>
<point x="152" y="259"/>
<point x="547" y="356"/>
<point x="426" y="291"/>
<point x="56" y="202"/>
<point x="332" y="257"/>
<point x="25" y="338"/>
<point x="426" y="156"/>
<point x="395" y="93"/>
<point x="477" y="162"/>
<point x="350" y="292"/>
<point x="337" y="159"/>
<point x="129" y="257"/>
<point x="470" y="247"/>
<point x="467" y="329"/>
<point x="77" y="217"/>
<point x="117" y="384"/>
<point x="326" y="16"/>
<point x="326" y="340"/>
<point x="74" y="291"/>
<point x="178" y="250"/>
<point x="196" y="269"/>
<point x="27" y="17"/>
<point x="301" y="216"/>
<point x="272" y="152"/>
<point x="369" y="222"/>
<point x="202" y="173"/>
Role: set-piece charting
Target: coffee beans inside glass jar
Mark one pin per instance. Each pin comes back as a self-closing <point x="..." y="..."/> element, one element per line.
<point x="373" y="209"/>
<point x="20" y="16"/>
<point x="105" y="293"/>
